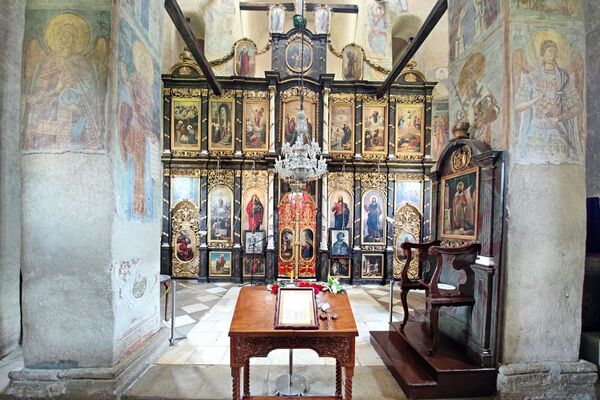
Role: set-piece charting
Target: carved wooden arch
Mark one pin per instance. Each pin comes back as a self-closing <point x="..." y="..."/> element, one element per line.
<point x="186" y="68"/>
<point x="185" y="229"/>
<point x="476" y="148"/>
<point x="407" y="219"/>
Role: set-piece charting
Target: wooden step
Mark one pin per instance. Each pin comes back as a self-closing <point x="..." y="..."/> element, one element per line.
<point x="416" y="382"/>
<point x="449" y="373"/>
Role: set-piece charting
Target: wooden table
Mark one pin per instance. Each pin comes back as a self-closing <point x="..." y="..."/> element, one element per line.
<point x="252" y="335"/>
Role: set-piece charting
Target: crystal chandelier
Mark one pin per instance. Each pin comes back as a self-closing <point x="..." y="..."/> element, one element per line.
<point x="302" y="162"/>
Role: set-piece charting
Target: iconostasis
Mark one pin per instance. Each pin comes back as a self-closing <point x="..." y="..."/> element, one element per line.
<point x="228" y="216"/>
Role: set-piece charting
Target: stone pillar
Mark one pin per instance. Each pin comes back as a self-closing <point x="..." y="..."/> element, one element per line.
<point x="12" y="22"/>
<point x="518" y="70"/>
<point x="92" y="197"/>
<point x="592" y="63"/>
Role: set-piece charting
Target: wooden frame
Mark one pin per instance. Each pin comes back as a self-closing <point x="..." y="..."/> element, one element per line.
<point x="368" y="258"/>
<point x="247" y="141"/>
<point x="254" y="242"/>
<point x="338" y="125"/>
<point x="340" y="260"/>
<point x="369" y="112"/>
<point x="414" y="122"/>
<point x="218" y="102"/>
<point x="296" y="308"/>
<point x="227" y="260"/>
<point x="178" y="134"/>
<point x="450" y="216"/>
<point x="333" y="238"/>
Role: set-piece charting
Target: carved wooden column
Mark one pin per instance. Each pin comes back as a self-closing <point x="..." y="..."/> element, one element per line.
<point x="165" y="239"/>
<point x="203" y="273"/>
<point x="204" y="122"/>
<point x="358" y="128"/>
<point x="325" y="131"/>
<point x="272" y="106"/>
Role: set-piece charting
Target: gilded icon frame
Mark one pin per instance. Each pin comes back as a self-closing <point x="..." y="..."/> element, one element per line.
<point x="188" y="101"/>
<point x="231" y="120"/>
<point x="264" y="103"/>
<point x="421" y="109"/>
<point x="381" y="107"/>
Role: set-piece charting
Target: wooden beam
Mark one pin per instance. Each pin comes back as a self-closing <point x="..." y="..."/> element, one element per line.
<point x="336" y="8"/>
<point x="432" y="19"/>
<point x="192" y="44"/>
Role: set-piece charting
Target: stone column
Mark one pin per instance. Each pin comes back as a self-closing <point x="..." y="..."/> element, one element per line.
<point x="592" y="63"/>
<point x="92" y="194"/>
<point x="12" y="21"/>
<point x="518" y="70"/>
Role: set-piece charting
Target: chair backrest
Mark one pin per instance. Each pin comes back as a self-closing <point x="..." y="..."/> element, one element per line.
<point x="453" y="267"/>
<point x="426" y="262"/>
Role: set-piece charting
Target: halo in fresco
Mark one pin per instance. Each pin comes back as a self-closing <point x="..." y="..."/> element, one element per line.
<point x="67" y="33"/>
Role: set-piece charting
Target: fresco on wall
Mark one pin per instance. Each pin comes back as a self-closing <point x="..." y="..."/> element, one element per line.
<point x="221" y="24"/>
<point x="146" y="14"/>
<point x="548" y="82"/>
<point x="468" y="21"/>
<point x="64" y="88"/>
<point x="567" y="8"/>
<point x="440" y="128"/>
<point x="138" y="108"/>
<point x="477" y="102"/>
<point x="378" y="37"/>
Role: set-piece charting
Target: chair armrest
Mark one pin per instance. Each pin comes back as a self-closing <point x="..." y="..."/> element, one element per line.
<point x="464" y="256"/>
<point x="408" y="247"/>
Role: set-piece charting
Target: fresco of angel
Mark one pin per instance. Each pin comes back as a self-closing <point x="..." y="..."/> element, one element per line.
<point x="548" y="101"/>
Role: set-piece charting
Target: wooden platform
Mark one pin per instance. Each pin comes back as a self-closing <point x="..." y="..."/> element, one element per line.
<point x="447" y="374"/>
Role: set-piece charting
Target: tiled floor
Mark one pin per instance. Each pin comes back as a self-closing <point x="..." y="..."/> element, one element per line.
<point x="204" y="311"/>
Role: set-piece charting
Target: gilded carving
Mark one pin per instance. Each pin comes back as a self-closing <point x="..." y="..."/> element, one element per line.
<point x="221" y="177"/>
<point x="409" y="157"/>
<point x="341" y="98"/>
<point x="380" y="157"/>
<point x="373" y="248"/>
<point x="454" y="243"/>
<point x="408" y="176"/>
<point x="295" y="92"/>
<point x="340" y="180"/>
<point x="373" y="180"/>
<point x="460" y="159"/>
<point x="407" y="227"/>
<point x="186" y="92"/>
<point x="196" y="172"/>
<point x="371" y="98"/>
<point x="185" y="232"/>
<point x="408" y="98"/>
<point x="186" y="154"/>
<point x="256" y="94"/>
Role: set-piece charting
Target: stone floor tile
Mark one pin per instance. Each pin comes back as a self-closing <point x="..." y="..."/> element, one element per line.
<point x="216" y="290"/>
<point x="183" y="320"/>
<point x="207" y="297"/>
<point x="195" y="308"/>
<point x="207" y="355"/>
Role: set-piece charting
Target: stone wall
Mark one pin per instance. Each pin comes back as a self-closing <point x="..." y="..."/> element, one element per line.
<point x="11" y="35"/>
<point x="592" y="61"/>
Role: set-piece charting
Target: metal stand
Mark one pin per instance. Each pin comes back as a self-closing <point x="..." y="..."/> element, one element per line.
<point x="391" y="306"/>
<point x="173" y="297"/>
<point x="290" y="384"/>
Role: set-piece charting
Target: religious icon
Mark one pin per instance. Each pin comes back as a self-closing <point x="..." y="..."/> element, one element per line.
<point x="219" y="263"/>
<point x="309" y="188"/>
<point x="254" y="267"/>
<point x="185" y="126"/>
<point x="410" y="128"/>
<point x="290" y="109"/>
<point x="374" y="129"/>
<point x="256" y="123"/>
<point x="255" y="209"/>
<point x="254" y="242"/>
<point x="307" y="244"/>
<point x="185" y="246"/>
<point x="340" y="207"/>
<point x="408" y="192"/>
<point x="276" y="18"/>
<point x="341" y="128"/>
<point x="245" y="58"/>
<point x="185" y="188"/>
<point x="352" y="62"/>
<point x="460" y="197"/>
<point x="401" y="238"/>
<point x="372" y="266"/>
<point x="298" y="58"/>
<point x="340" y="242"/>
<point x="377" y="28"/>
<point x="373" y="217"/>
<point x="221" y="123"/>
<point x="339" y="267"/>
<point x="322" y="19"/>
<point x="286" y="246"/>
<point x="220" y="214"/>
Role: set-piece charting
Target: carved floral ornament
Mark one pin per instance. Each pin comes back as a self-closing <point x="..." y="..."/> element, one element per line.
<point x="221" y="177"/>
<point x="340" y="181"/>
<point x="406" y="219"/>
<point x="295" y="92"/>
<point x="370" y="181"/>
<point x="461" y="158"/>
<point x="341" y="98"/>
<point x="408" y="98"/>
<point x="256" y="178"/>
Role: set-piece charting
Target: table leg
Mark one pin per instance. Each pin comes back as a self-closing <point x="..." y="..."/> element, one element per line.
<point x="235" y="378"/>
<point x="338" y="379"/>
<point x="247" y="378"/>
<point x="349" y="375"/>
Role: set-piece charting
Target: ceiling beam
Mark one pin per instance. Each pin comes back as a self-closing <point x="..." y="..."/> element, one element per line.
<point x="192" y="44"/>
<point x="336" y="8"/>
<point x="432" y="19"/>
